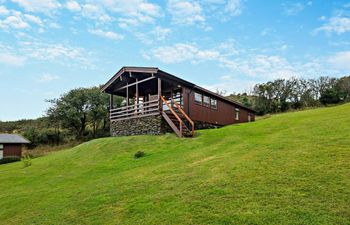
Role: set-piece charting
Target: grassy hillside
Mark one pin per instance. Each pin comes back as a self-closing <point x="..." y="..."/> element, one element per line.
<point x="292" y="168"/>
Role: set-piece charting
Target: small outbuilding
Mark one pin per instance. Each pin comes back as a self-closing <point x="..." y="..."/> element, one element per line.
<point x="11" y="145"/>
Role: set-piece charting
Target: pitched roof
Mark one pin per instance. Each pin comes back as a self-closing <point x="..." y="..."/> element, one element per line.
<point x="160" y="73"/>
<point x="12" y="139"/>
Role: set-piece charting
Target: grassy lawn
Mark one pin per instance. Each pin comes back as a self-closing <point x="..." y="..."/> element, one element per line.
<point x="292" y="168"/>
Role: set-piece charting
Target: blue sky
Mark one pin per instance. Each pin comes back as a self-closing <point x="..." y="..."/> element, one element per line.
<point x="48" y="47"/>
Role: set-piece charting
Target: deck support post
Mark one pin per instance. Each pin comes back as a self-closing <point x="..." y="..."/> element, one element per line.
<point x="137" y="92"/>
<point x="160" y="93"/>
<point x="111" y="101"/>
<point x="127" y="95"/>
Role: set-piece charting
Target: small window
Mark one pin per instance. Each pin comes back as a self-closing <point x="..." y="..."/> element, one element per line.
<point x="1" y="147"/>
<point x="206" y="101"/>
<point x="237" y="114"/>
<point x="198" y="98"/>
<point x="213" y="103"/>
<point x="249" y="118"/>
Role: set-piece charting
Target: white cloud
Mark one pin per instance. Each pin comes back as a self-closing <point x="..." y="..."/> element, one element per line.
<point x="43" y="6"/>
<point x="234" y="7"/>
<point x="34" y="19"/>
<point x="58" y="53"/>
<point x="182" y="52"/>
<point x="230" y="84"/>
<point x="133" y="12"/>
<point x="156" y="34"/>
<point x="185" y="12"/>
<point x="54" y="25"/>
<point x="11" y="59"/>
<point x="267" y="31"/>
<point x="73" y="6"/>
<point x="107" y="34"/>
<point x="292" y="9"/>
<point x="160" y="33"/>
<point x="127" y="22"/>
<point x="260" y="65"/>
<point x="4" y="11"/>
<point x="95" y="12"/>
<point x="341" y="60"/>
<point x="47" y="78"/>
<point x="336" y="24"/>
<point x="15" y="21"/>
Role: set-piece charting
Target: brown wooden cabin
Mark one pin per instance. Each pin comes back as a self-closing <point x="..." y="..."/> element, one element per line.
<point x="11" y="145"/>
<point x="157" y="102"/>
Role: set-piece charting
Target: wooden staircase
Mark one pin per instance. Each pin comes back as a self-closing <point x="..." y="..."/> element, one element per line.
<point x="177" y="119"/>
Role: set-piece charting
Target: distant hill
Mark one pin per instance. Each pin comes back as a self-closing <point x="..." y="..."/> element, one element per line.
<point x="291" y="168"/>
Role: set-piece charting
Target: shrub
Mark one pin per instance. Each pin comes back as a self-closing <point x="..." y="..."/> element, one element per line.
<point x="9" y="159"/>
<point x="26" y="160"/>
<point x="139" y="154"/>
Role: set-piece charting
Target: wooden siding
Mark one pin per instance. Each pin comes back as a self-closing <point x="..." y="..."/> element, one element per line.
<point x="12" y="150"/>
<point x="223" y="115"/>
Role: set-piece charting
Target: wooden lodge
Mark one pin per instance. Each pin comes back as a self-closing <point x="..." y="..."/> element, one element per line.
<point x="157" y="102"/>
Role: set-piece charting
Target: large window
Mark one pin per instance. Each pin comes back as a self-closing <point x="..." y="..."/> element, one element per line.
<point x="206" y="101"/>
<point x="213" y="103"/>
<point x="198" y="98"/>
<point x="237" y="114"/>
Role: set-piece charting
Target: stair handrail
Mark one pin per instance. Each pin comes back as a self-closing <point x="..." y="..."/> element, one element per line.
<point x="173" y="112"/>
<point x="184" y="114"/>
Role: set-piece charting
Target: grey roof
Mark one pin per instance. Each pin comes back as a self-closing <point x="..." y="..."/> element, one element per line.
<point x="12" y="139"/>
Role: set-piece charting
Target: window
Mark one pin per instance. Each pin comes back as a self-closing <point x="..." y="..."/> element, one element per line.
<point x="213" y="103"/>
<point x="1" y="151"/>
<point x="198" y="98"/>
<point x="206" y="101"/>
<point x="249" y="117"/>
<point x="237" y="114"/>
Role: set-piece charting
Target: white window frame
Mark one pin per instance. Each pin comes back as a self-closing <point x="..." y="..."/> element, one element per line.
<point x="237" y="114"/>
<point x="1" y="151"/>
<point x="201" y="98"/>
<point x="213" y="106"/>
<point x="206" y="103"/>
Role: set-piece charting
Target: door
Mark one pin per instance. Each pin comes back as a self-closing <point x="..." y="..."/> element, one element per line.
<point x="1" y="151"/>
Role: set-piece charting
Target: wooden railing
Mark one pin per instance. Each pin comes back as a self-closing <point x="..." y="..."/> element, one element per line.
<point x="184" y="115"/>
<point x="137" y="110"/>
<point x="178" y="130"/>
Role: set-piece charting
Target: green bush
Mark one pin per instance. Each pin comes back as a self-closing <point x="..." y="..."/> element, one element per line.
<point x="26" y="160"/>
<point x="139" y="154"/>
<point x="9" y="159"/>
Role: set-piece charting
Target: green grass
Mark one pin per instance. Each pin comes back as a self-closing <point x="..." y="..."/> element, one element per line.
<point x="292" y="168"/>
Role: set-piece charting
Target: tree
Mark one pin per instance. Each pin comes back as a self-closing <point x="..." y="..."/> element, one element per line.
<point x="82" y="111"/>
<point x="98" y="108"/>
<point x="330" y="96"/>
<point x="72" y="110"/>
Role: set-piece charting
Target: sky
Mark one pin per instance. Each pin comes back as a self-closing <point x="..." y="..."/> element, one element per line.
<point x="48" y="47"/>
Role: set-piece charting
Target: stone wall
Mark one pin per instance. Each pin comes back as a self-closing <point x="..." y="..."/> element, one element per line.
<point x="204" y="125"/>
<point x="145" y="125"/>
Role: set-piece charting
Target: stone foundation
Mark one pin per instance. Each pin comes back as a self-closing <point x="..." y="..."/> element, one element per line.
<point x="154" y="125"/>
<point x="204" y="125"/>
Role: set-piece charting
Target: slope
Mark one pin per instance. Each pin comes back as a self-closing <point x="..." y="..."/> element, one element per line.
<point x="291" y="168"/>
